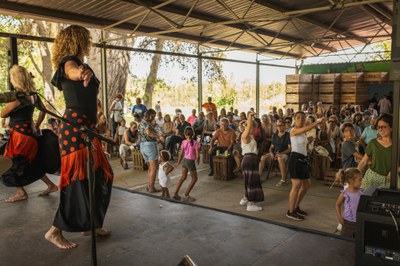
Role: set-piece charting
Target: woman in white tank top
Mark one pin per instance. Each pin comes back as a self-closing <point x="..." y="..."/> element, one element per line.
<point x="298" y="167"/>
<point x="253" y="191"/>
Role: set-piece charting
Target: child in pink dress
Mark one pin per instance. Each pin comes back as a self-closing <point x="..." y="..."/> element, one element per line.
<point x="190" y="152"/>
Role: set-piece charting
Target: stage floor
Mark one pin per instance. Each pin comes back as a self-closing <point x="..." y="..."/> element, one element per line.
<point x="151" y="231"/>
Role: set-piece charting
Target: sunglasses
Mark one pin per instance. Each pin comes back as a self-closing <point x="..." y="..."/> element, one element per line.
<point x="331" y="121"/>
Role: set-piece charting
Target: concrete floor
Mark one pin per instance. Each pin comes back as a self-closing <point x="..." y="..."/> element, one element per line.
<point x="148" y="230"/>
<point x="225" y="195"/>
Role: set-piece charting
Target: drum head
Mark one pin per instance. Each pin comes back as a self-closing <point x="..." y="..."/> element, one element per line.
<point x="5" y="163"/>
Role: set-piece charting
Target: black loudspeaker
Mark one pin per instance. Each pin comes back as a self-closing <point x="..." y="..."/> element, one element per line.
<point x="377" y="235"/>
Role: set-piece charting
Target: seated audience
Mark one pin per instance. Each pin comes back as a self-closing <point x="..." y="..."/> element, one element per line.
<point x="279" y="150"/>
<point x="129" y="141"/>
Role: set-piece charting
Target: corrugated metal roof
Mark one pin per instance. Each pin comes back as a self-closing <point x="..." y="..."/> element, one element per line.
<point x="284" y="28"/>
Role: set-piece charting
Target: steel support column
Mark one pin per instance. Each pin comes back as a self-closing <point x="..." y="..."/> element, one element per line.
<point x="258" y="87"/>
<point x="200" y="81"/>
<point x="12" y="55"/>
<point x="395" y="76"/>
<point x="104" y="76"/>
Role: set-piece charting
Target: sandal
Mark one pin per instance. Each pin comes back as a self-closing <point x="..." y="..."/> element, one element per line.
<point x="188" y="198"/>
<point x="176" y="197"/>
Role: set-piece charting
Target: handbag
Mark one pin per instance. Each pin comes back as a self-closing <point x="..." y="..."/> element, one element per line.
<point x="117" y="117"/>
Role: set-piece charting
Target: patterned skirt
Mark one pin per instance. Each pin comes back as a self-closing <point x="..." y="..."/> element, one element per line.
<point x="252" y="183"/>
<point x="372" y="178"/>
<point x="73" y="214"/>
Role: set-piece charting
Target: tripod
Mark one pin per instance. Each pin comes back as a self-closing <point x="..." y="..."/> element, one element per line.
<point x="89" y="136"/>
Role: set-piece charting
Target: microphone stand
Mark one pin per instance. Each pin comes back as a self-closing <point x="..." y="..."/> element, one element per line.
<point x="89" y="136"/>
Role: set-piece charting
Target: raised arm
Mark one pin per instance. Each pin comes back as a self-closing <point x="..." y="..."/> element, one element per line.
<point x="296" y="131"/>
<point x="247" y="130"/>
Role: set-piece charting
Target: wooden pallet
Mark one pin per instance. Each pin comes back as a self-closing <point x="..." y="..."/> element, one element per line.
<point x="299" y="78"/>
<point x="376" y="77"/>
<point x="353" y="88"/>
<point x="329" y="78"/>
<point x="223" y="167"/>
<point x="324" y="88"/>
<point x="331" y="98"/>
<point x="299" y="97"/>
<point x="319" y="166"/>
<point x="296" y="106"/>
<point x="204" y="153"/>
<point x="299" y="88"/>
<point x="329" y="178"/>
<point x="352" y="77"/>
<point x="138" y="161"/>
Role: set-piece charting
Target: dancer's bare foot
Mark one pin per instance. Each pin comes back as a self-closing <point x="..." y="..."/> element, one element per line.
<point x="50" y="189"/>
<point x="16" y="197"/>
<point x="98" y="232"/>
<point x="54" y="235"/>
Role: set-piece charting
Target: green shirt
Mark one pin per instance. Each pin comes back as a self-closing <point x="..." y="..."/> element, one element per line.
<point x="381" y="157"/>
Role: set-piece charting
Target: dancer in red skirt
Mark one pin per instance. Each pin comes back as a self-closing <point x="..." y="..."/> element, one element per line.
<point x="80" y="88"/>
<point x="22" y="146"/>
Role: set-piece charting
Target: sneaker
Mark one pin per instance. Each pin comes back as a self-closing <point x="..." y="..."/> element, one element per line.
<point x="211" y="174"/>
<point x="253" y="208"/>
<point x="293" y="215"/>
<point x="243" y="202"/>
<point x="301" y="212"/>
<point x="281" y="183"/>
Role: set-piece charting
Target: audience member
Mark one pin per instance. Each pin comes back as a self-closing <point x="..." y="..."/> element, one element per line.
<point x="209" y="106"/>
<point x="192" y="117"/>
<point x="225" y="137"/>
<point x="139" y="108"/>
<point x="130" y="140"/>
<point x="380" y="151"/>
<point x="350" y="153"/>
<point x="279" y="151"/>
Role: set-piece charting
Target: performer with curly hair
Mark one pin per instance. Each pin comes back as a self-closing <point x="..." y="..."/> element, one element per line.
<point x="80" y="87"/>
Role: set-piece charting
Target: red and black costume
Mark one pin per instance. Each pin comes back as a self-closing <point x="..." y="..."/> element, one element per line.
<point x="22" y="148"/>
<point x="32" y="157"/>
<point x="81" y="108"/>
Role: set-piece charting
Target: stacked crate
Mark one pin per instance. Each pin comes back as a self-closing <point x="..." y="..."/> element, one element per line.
<point x="299" y="90"/>
<point x="329" y="89"/>
<point x="353" y="90"/>
<point x="376" y="77"/>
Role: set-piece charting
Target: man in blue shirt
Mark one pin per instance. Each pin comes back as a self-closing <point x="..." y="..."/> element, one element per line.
<point x="139" y="108"/>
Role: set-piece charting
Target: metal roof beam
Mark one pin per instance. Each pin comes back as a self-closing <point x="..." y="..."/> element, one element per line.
<point x="379" y="13"/>
<point x="311" y="20"/>
<point x="96" y="22"/>
<point x="179" y="10"/>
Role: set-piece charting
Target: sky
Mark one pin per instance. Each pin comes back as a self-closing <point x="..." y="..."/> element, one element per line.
<point x="140" y="67"/>
<point x="239" y="72"/>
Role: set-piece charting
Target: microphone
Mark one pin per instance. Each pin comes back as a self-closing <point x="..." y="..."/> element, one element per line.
<point x="6" y="97"/>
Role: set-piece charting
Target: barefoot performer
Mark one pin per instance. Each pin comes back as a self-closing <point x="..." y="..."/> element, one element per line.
<point x="22" y="146"/>
<point x="80" y="88"/>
